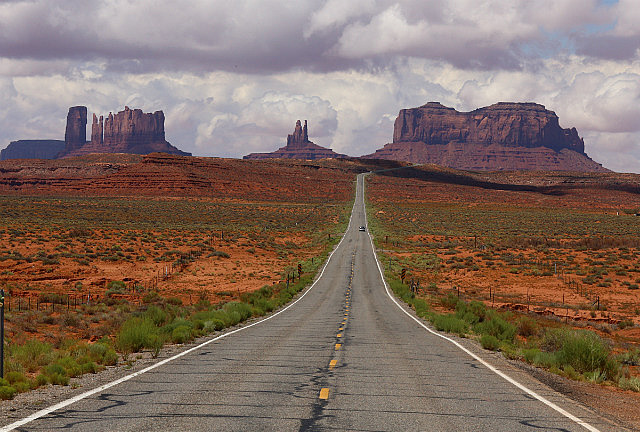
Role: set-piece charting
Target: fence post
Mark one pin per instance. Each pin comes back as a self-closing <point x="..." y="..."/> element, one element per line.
<point x="1" y="333"/>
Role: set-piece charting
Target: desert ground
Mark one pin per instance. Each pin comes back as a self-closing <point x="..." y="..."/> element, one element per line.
<point x="550" y="251"/>
<point x="90" y="245"/>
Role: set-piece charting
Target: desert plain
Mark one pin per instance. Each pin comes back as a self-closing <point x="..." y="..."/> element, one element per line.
<point x="89" y="244"/>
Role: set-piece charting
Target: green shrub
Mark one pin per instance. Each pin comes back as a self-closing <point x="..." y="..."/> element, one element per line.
<point x="115" y="287"/>
<point x="18" y="381"/>
<point x="101" y="353"/>
<point x="89" y="367"/>
<point x="529" y="354"/>
<point x="631" y="357"/>
<point x="473" y="312"/>
<point x="156" y="315"/>
<point x="450" y="301"/>
<point x="496" y="326"/>
<point x="135" y="334"/>
<point x="22" y="386"/>
<point x="70" y="365"/>
<point x="421" y="306"/>
<point x="41" y="380"/>
<point x="584" y="351"/>
<point x="181" y="334"/>
<point x="545" y="359"/>
<point x="262" y="306"/>
<point x="238" y="311"/>
<point x="32" y="354"/>
<point x="14" y="377"/>
<point x="490" y="342"/>
<point x="570" y="372"/>
<point x="151" y="297"/>
<point x="527" y="327"/>
<point x="174" y="301"/>
<point x="631" y="383"/>
<point x="213" y="325"/>
<point x="450" y="323"/>
<point x="7" y="392"/>
<point x="56" y="374"/>
<point x="169" y="328"/>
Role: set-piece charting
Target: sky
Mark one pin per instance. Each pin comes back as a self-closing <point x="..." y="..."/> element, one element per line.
<point x="232" y="77"/>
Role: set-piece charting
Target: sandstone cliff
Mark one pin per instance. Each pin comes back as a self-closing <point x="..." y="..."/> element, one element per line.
<point x="75" y="135"/>
<point x="298" y="147"/>
<point x="32" y="149"/>
<point x="129" y="131"/>
<point x="504" y="136"/>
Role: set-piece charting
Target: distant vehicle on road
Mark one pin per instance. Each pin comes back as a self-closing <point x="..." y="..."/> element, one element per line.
<point x="362" y="228"/>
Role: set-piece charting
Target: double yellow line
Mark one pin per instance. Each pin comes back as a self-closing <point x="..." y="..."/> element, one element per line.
<point x="324" y="392"/>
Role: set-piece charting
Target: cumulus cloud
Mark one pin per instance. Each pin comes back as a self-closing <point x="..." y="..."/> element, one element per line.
<point x="232" y="77"/>
<point x="258" y="37"/>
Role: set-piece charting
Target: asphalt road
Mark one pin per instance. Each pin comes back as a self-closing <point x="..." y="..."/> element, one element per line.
<point x="344" y="357"/>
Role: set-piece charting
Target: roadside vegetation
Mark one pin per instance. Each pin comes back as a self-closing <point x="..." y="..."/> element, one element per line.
<point x="577" y="354"/>
<point x="56" y="333"/>
<point x="553" y="286"/>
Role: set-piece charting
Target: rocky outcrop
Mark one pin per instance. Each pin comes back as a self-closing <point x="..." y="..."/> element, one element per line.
<point x="129" y="131"/>
<point x="97" y="131"/>
<point x="504" y="136"/>
<point x="75" y="136"/>
<point x="164" y="175"/>
<point x="299" y="137"/>
<point x="32" y="149"/>
<point x="298" y="147"/>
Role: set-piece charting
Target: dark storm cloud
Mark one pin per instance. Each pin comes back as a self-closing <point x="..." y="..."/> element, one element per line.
<point x="610" y="47"/>
<point x="267" y="37"/>
<point x="257" y="38"/>
<point x="233" y="76"/>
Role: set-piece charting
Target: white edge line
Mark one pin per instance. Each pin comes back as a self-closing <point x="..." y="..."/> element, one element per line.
<point x="99" y="389"/>
<point x="487" y="365"/>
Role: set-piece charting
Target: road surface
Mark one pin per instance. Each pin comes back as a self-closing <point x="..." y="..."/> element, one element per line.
<point x="343" y="357"/>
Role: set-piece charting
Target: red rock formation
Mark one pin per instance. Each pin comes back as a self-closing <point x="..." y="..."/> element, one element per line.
<point x="129" y="131"/>
<point x="299" y="137"/>
<point x="504" y="136"/>
<point x="75" y="135"/>
<point x="97" y="135"/>
<point x="298" y="147"/>
<point x="169" y="175"/>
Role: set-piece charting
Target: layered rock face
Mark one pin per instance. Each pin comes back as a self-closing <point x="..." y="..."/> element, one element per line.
<point x="504" y="136"/>
<point x="128" y="131"/>
<point x="75" y="136"/>
<point x="298" y="147"/>
<point x="32" y="149"/>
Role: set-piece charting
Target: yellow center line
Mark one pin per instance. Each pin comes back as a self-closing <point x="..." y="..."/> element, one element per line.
<point x="332" y="364"/>
<point x="338" y="346"/>
<point x="324" y="393"/>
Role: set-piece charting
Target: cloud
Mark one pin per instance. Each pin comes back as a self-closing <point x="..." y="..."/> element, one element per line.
<point x="264" y="123"/>
<point x="252" y="36"/>
<point x="232" y="77"/>
<point x="597" y="102"/>
<point x="335" y="13"/>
